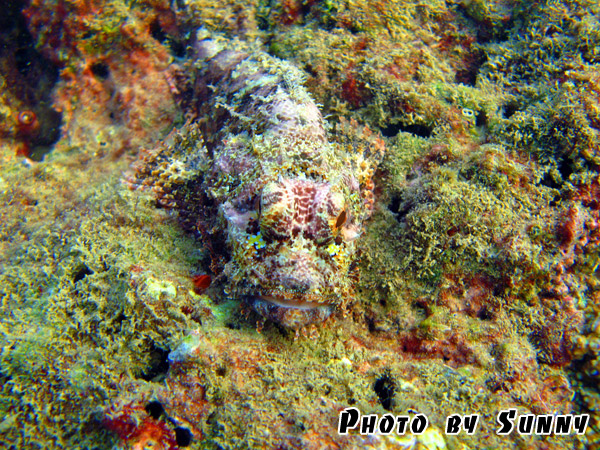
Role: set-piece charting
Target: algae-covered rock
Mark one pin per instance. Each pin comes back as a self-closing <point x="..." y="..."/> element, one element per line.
<point x="475" y="283"/>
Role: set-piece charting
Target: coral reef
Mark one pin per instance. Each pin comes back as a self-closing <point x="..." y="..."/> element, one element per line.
<point x="115" y="91"/>
<point x="28" y="121"/>
<point x="474" y="282"/>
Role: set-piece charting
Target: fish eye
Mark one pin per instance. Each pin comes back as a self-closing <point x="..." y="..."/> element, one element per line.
<point x="341" y="219"/>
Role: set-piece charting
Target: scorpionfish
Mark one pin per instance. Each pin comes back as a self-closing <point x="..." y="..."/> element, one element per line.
<point x="255" y="173"/>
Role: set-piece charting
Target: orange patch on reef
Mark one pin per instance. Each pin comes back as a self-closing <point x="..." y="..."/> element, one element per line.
<point x="454" y="350"/>
<point x="136" y="428"/>
<point x="201" y="283"/>
<point x="471" y="295"/>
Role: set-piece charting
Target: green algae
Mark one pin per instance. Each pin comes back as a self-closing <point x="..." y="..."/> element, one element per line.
<point x="86" y="327"/>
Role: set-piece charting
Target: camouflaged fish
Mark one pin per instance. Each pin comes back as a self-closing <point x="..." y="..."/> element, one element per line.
<point x="256" y="175"/>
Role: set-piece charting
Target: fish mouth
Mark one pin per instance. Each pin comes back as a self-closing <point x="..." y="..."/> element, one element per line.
<point x="294" y="299"/>
<point x="298" y="302"/>
<point x="292" y="311"/>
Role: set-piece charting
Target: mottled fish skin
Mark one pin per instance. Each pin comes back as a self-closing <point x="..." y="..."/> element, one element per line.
<point x="290" y="203"/>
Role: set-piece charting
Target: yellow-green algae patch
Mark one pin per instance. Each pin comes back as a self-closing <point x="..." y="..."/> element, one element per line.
<point x="80" y="311"/>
